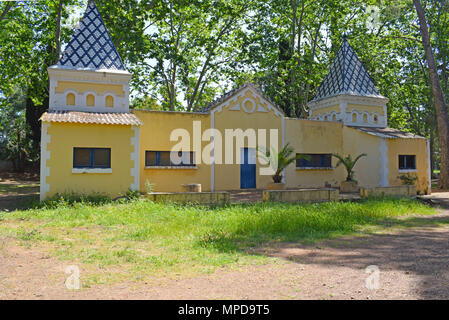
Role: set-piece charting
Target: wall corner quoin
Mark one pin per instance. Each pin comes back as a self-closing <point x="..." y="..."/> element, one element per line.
<point x="45" y="155"/>
<point x="135" y="157"/>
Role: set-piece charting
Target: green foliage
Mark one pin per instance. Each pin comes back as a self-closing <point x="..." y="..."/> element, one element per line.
<point x="408" y="179"/>
<point x="72" y="199"/>
<point x="132" y="195"/>
<point x="15" y="143"/>
<point x="280" y="160"/>
<point x="348" y="163"/>
<point x="183" y="54"/>
<point x="152" y="238"/>
<point x="149" y="187"/>
<point x="145" y="103"/>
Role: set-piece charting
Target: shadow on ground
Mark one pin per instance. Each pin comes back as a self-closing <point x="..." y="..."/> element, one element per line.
<point x="423" y="252"/>
<point x="18" y="194"/>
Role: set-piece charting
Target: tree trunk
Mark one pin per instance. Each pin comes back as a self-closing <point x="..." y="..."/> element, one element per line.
<point x="440" y="105"/>
<point x="8" y="6"/>
<point x="58" y="32"/>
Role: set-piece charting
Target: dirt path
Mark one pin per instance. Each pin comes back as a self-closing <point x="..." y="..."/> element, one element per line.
<point x="413" y="264"/>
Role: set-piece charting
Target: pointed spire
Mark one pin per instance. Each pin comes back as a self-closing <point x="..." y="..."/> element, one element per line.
<point x="346" y="76"/>
<point x="91" y="46"/>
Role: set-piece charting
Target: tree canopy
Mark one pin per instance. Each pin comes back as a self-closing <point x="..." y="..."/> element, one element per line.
<point x="183" y="54"/>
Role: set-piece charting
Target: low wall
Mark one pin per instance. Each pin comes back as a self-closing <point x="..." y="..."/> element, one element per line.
<point x="399" y="191"/>
<point x="301" y="195"/>
<point x="218" y="198"/>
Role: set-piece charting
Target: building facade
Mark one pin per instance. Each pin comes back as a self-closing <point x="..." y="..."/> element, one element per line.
<point x="93" y="143"/>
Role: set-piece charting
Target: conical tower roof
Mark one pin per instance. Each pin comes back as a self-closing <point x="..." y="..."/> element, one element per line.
<point x="91" y="46"/>
<point x="347" y="75"/>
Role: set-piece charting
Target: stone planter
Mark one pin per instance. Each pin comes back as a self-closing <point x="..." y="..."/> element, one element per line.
<point x="276" y="186"/>
<point x="191" y="187"/>
<point x="348" y="187"/>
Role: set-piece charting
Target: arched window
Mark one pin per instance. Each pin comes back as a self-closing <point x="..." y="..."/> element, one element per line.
<point x="109" y="101"/>
<point x="354" y="117"/>
<point x="375" y="118"/>
<point x="334" y="117"/>
<point x="365" y="118"/>
<point x="325" y="118"/>
<point x="70" y="99"/>
<point x="90" y="100"/>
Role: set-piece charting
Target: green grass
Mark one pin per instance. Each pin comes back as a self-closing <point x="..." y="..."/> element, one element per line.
<point x="145" y="238"/>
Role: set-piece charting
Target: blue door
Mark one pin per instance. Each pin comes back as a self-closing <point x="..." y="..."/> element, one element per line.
<point x="248" y="168"/>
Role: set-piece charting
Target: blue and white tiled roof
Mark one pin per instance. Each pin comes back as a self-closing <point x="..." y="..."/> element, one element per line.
<point x="91" y="46"/>
<point x="346" y="76"/>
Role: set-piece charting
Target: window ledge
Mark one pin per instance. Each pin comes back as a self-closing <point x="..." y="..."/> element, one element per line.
<point x="91" y="170"/>
<point x="172" y="167"/>
<point x="407" y="170"/>
<point x="314" y="168"/>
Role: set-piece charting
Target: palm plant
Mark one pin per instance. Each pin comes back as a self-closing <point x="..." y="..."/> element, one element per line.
<point x="280" y="160"/>
<point x="348" y="163"/>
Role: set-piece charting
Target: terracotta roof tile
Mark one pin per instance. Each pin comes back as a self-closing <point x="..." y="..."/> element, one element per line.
<point x="92" y="117"/>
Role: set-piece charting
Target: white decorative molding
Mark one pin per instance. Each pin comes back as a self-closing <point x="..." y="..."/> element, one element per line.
<point x="345" y="114"/>
<point x="75" y="93"/>
<point x="253" y="103"/>
<point x="407" y="170"/>
<point x="235" y="108"/>
<point x="172" y="167"/>
<point x="45" y="155"/>
<point x="135" y="157"/>
<point x="91" y="170"/>
<point x="58" y="100"/>
<point x="114" y="99"/>
<point x="260" y="108"/>
<point x="212" y="165"/>
<point x="226" y="104"/>
<point x="383" y="149"/>
<point x="347" y="98"/>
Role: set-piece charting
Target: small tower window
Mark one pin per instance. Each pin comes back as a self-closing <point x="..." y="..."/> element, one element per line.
<point x="365" y="118"/>
<point x="70" y="99"/>
<point x="354" y="117"/>
<point x="109" y="101"/>
<point x="90" y="100"/>
<point x="375" y="118"/>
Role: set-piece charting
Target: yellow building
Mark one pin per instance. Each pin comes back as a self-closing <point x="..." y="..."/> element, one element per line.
<point x="93" y="143"/>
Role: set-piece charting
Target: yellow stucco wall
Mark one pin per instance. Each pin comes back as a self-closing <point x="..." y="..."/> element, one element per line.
<point x="65" y="136"/>
<point x="305" y="136"/>
<point x="308" y="136"/>
<point x="227" y="176"/>
<point x="82" y="87"/>
<point x="367" y="169"/>
<point x="416" y="147"/>
<point x="155" y="136"/>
